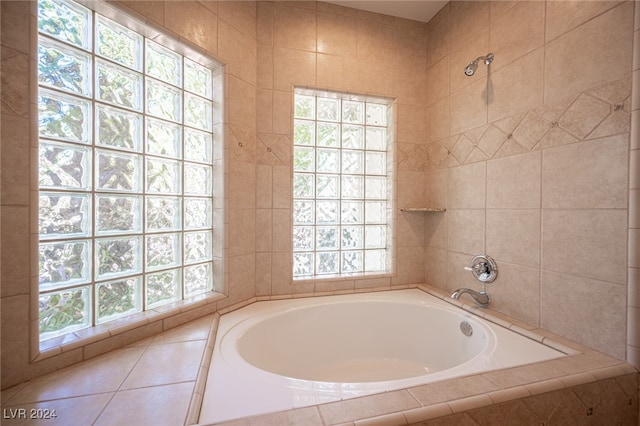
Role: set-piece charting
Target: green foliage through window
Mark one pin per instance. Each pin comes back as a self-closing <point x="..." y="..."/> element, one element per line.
<point x="126" y="192"/>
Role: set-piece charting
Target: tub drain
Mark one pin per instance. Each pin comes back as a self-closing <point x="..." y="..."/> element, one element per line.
<point x="466" y="328"/>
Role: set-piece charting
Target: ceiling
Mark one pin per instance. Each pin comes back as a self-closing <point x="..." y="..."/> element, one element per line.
<point x="418" y="10"/>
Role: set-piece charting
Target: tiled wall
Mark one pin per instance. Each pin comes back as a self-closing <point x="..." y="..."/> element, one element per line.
<point x="530" y="157"/>
<point x="335" y="48"/>
<point x="531" y="160"/>
<point x="633" y="320"/>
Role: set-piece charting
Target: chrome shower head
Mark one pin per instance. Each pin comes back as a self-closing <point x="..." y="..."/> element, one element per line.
<point x="470" y="69"/>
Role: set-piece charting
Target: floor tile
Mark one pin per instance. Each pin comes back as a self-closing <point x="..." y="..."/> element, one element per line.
<point x="167" y="363"/>
<point x="98" y="375"/>
<point x="153" y="406"/>
<point x="80" y="411"/>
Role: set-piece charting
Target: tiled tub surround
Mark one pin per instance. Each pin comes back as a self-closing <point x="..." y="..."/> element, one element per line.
<point x="160" y="381"/>
<point x="284" y="354"/>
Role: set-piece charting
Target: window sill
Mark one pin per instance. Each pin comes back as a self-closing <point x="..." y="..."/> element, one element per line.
<point x="343" y="277"/>
<point x="166" y="317"/>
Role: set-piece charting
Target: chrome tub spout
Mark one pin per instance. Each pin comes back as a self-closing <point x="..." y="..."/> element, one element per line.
<point x="481" y="297"/>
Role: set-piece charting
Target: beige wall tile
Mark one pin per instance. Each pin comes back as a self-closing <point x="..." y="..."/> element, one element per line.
<point x="634" y="169"/>
<point x="375" y="41"/>
<point x="469" y="106"/>
<point x="435" y="227"/>
<point x="469" y="39"/>
<point x="294" y="27"/>
<point x="238" y="51"/>
<point x="242" y="231"/>
<point x="375" y="77"/>
<point x="569" y="64"/>
<point x="263" y="230"/>
<point x="514" y="236"/>
<point x="584" y="115"/>
<point x="564" y="16"/>
<point x="282" y="187"/>
<point x="435" y="264"/>
<point x="466" y="231"/>
<point x="517" y="87"/>
<point x="15" y="82"/>
<point x="409" y="265"/>
<point x="16" y="265"/>
<point x="591" y="174"/>
<point x="438" y="120"/>
<point x="409" y="82"/>
<point x="514" y="182"/>
<point x="241" y="186"/>
<point x="562" y="301"/>
<point x="436" y="188"/>
<point x="242" y="15"/>
<point x="438" y="34"/>
<point x="337" y="34"/>
<point x="633" y="286"/>
<point x="634" y="209"/>
<point x="438" y="81"/>
<point x="194" y="22"/>
<point x="264" y="110"/>
<point x="466" y="186"/>
<point x="264" y="194"/>
<point x="151" y="10"/>
<point x="264" y="24"/>
<point x="588" y="243"/>
<point x="516" y="31"/>
<point x="293" y="67"/>
<point x="410" y="40"/>
<point x="411" y="123"/>
<point x="15" y="25"/>
<point x="633" y="330"/>
<point x="282" y="101"/>
<point x="337" y="72"/>
<point x="263" y="274"/>
<point x="240" y="103"/>
<point x="409" y="230"/>
<point x="634" y="248"/>
<point x="516" y="291"/>
<point x="410" y="189"/>
<point x="282" y="231"/>
<point x="242" y="278"/>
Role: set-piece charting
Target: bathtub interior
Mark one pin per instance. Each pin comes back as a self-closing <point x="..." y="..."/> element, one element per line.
<point x="279" y="355"/>
<point x="366" y="343"/>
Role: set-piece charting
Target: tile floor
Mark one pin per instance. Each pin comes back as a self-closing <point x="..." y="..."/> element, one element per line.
<point x="150" y="382"/>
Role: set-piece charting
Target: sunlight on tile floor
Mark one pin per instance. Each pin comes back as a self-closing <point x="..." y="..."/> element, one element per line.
<point x="147" y="383"/>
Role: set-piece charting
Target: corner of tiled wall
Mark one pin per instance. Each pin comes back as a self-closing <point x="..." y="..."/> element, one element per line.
<point x="633" y="316"/>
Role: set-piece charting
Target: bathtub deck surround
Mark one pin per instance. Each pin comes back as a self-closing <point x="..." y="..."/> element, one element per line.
<point x="160" y="381"/>
<point x="293" y="353"/>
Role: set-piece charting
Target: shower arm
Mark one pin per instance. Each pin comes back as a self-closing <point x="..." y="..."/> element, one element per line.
<point x="487" y="59"/>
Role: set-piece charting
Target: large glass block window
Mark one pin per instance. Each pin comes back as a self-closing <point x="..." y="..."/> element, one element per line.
<point x="125" y="170"/>
<point x="341" y="184"/>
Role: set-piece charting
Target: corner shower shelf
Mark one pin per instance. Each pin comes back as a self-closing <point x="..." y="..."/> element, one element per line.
<point x="423" y="209"/>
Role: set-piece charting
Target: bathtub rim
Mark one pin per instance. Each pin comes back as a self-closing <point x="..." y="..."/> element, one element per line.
<point x="594" y="365"/>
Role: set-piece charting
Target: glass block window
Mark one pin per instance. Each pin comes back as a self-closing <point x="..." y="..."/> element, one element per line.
<point x="341" y="184"/>
<point x="125" y="169"/>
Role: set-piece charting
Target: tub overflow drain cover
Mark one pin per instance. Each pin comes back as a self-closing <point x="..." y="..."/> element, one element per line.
<point x="466" y="328"/>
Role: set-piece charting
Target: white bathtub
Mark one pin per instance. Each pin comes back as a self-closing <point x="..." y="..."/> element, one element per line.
<point x="278" y="355"/>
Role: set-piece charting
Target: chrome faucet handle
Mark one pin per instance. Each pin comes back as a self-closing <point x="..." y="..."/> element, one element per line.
<point x="483" y="268"/>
